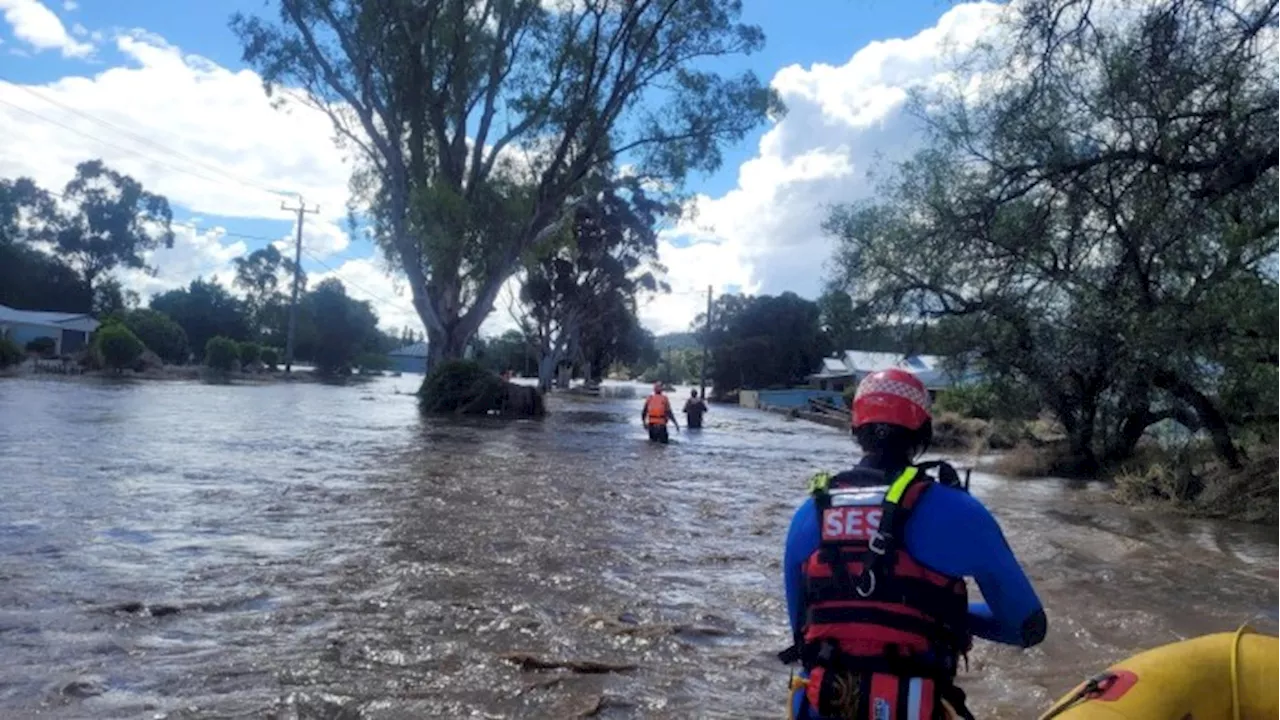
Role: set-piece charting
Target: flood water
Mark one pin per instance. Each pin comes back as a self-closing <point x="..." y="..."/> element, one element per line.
<point x="173" y="550"/>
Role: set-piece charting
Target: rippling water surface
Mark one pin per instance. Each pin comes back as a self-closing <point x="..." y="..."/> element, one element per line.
<point x="184" y="550"/>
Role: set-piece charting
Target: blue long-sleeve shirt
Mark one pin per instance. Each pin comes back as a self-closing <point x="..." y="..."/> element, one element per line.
<point x="952" y="533"/>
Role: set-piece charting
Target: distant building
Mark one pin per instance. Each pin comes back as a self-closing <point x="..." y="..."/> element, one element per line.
<point x="69" y="331"/>
<point x="410" y="359"/>
<point x="849" y="367"/>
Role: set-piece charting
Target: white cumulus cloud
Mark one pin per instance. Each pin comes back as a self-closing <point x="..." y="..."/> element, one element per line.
<point x="765" y="236"/>
<point x="211" y="142"/>
<point x="39" y="27"/>
<point x="207" y="253"/>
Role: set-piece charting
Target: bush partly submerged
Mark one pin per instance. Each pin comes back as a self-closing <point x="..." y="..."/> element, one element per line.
<point x="463" y="387"/>
<point x="1192" y="479"/>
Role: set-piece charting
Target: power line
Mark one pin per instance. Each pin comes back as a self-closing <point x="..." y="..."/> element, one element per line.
<point x="108" y="143"/>
<point x="137" y="137"/>
<point x="366" y="291"/>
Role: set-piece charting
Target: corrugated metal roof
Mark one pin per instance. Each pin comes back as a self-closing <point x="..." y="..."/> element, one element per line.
<point x="416" y="350"/>
<point x="929" y="368"/>
<point x="70" y="321"/>
<point x="833" y="365"/>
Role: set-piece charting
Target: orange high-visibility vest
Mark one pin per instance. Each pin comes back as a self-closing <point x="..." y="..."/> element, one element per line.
<point x="656" y="409"/>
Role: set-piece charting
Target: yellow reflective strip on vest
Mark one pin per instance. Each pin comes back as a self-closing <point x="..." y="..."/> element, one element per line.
<point x="899" y="486"/>
<point x="819" y="482"/>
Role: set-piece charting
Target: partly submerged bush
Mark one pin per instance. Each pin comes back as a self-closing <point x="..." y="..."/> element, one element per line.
<point x="1192" y="479"/>
<point x="222" y="353"/>
<point x="250" y="353"/>
<point x="954" y="432"/>
<point x="270" y="357"/>
<point x="118" y="347"/>
<point x="466" y="387"/>
<point x="160" y="334"/>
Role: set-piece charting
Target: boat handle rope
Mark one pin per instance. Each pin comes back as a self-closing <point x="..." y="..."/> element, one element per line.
<point x="1235" y="668"/>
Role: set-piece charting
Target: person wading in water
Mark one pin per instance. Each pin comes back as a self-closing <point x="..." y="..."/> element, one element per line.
<point x="656" y="413"/>
<point x="875" y="568"/>
<point x="694" y="409"/>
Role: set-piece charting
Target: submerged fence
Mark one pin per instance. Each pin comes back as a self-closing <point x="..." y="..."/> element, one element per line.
<point x="797" y="398"/>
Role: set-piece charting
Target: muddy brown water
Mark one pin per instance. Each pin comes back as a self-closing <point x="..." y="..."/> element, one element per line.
<point x="173" y="550"/>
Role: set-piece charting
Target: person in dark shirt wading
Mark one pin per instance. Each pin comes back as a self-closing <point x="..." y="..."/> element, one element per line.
<point x="694" y="409"/>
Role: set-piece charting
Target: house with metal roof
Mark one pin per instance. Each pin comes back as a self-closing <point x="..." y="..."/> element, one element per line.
<point x="69" y="331"/>
<point x="410" y="359"/>
<point x="849" y="367"/>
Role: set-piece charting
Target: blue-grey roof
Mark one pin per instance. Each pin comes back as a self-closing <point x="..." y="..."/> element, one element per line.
<point x="72" y="321"/>
<point x="929" y="368"/>
<point x="416" y="350"/>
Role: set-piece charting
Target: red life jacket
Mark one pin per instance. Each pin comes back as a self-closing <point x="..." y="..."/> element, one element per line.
<point x="874" y="614"/>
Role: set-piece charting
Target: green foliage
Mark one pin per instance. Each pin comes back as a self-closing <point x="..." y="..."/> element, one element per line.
<point x="373" y="362"/>
<point x="204" y="310"/>
<point x="114" y="222"/>
<point x="454" y="384"/>
<point x="1087" y="233"/>
<point x="270" y="357"/>
<point x="334" y="329"/>
<point x="42" y="346"/>
<point x="579" y="296"/>
<point x="221" y="353"/>
<point x="264" y="275"/>
<point x="160" y="334"/>
<point x="32" y="279"/>
<point x="762" y="342"/>
<point x="564" y="85"/>
<point x="992" y="400"/>
<point x="111" y="299"/>
<point x="118" y="347"/>
<point x="249" y="353"/>
<point x="10" y="353"/>
<point x="509" y="351"/>
<point x="100" y="228"/>
<point x="675" y="367"/>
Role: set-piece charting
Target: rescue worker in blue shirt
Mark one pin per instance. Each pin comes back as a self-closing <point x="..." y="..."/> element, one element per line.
<point x="875" y="569"/>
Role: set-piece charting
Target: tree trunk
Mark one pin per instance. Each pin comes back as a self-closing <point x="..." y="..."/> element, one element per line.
<point x="1210" y="418"/>
<point x="547" y="365"/>
<point x="444" y="345"/>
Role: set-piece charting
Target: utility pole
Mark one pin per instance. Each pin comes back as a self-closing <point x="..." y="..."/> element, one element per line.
<point x="297" y="272"/>
<point x="706" y="346"/>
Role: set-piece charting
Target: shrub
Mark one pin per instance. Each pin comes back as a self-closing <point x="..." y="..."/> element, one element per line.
<point x="249" y="353"/>
<point x="42" y="346"/>
<point x="160" y="334"/>
<point x="118" y="347"/>
<point x="10" y="353"/>
<point x="373" y="362"/>
<point x="988" y="401"/>
<point x="270" y="357"/>
<point x="466" y="387"/>
<point x="221" y="353"/>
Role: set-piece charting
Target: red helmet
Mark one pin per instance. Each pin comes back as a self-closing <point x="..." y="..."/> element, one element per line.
<point x="893" y="397"/>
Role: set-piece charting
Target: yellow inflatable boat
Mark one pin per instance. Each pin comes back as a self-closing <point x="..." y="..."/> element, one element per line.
<point x="1227" y="676"/>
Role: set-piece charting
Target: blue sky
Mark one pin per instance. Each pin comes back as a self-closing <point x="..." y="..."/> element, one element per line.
<point x="845" y="101"/>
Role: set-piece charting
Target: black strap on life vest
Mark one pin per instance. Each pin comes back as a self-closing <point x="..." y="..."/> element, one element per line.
<point x="876" y="580"/>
